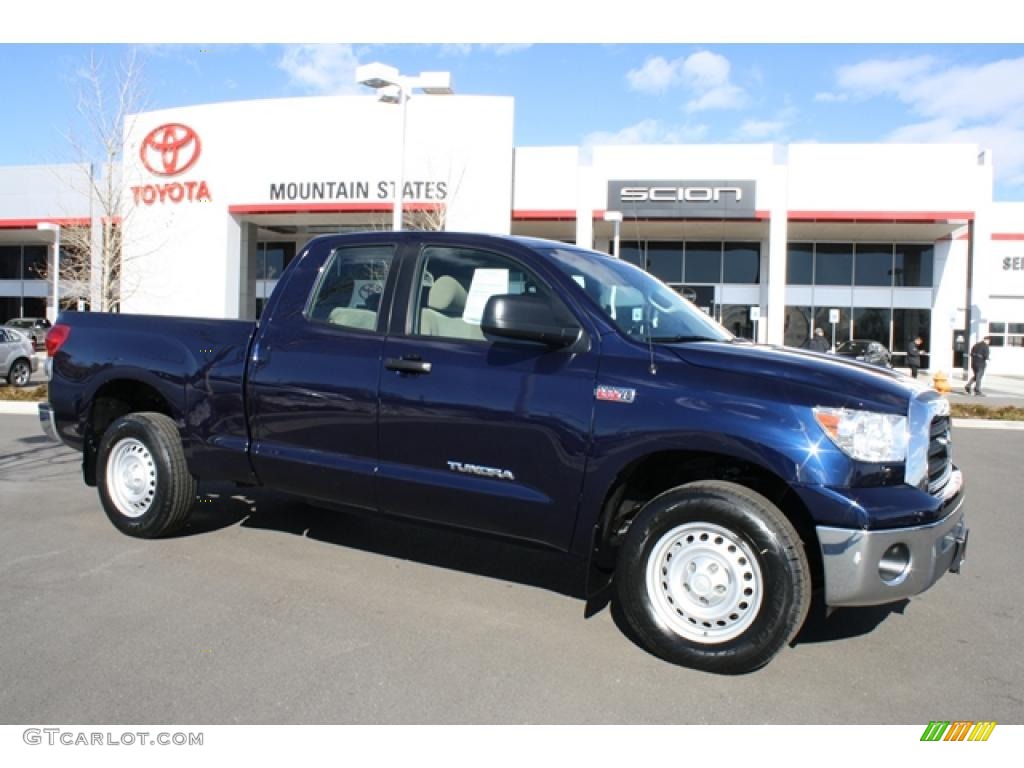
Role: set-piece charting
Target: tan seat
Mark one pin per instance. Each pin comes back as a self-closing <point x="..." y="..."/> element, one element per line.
<point x="443" y="314"/>
<point x="362" y="319"/>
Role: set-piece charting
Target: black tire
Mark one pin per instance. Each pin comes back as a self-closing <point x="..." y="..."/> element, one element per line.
<point x="739" y="588"/>
<point x="143" y="480"/>
<point x="19" y="373"/>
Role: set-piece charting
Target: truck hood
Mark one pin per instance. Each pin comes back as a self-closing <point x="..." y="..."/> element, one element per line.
<point x="848" y="383"/>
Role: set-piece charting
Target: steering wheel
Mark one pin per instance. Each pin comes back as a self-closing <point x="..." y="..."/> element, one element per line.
<point x="366" y="290"/>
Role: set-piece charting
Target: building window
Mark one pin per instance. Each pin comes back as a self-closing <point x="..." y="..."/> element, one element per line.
<point x="703" y="263"/>
<point x="833" y="264"/>
<point x="1006" y="334"/>
<point x="272" y="258"/>
<point x="736" y="318"/>
<point x="797" y="326"/>
<point x="800" y="264"/>
<point x="873" y="265"/>
<point x="633" y="252"/>
<point x="914" y="266"/>
<point x="10" y="262"/>
<point x="872" y="323"/>
<point x="36" y="261"/>
<point x="906" y="325"/>
<point x="665" y="261"/>
<point x="742" y="263"/>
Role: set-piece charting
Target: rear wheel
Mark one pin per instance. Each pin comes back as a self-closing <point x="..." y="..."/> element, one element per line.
<point x="19" y="373"/>
<point x="143" y="480"/>
<point x="713" y="576"/>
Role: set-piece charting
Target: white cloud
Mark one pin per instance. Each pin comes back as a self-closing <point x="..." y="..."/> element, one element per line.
<point x="655" y="76"/>
<point x="721" y="97"/>
<point x="498" y="49"/>
<point x="704" y="75"/>
<point x="648" y="131"/>
<point x="828" y="97"/>
<point x="981" y="104"/>
<point x="322" y="68"/>
<point x="761" y="129"/>
<point x="876" y="76"/>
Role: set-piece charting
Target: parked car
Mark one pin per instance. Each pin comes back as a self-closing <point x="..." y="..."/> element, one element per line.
<point x="867" y="351"/>
<point x="17" y="361"/>
<point x="33" y="327"/>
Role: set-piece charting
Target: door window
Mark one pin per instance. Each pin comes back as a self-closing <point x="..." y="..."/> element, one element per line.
<point x="455" y="284"/>
<point x="349" y="291"/>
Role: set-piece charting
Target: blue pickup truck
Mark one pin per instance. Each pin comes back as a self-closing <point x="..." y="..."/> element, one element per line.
<point x="541" y="392"/>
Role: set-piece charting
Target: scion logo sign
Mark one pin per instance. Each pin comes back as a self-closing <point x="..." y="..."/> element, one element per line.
<point x="682" y="199"/>
<point x="170" y="149"/>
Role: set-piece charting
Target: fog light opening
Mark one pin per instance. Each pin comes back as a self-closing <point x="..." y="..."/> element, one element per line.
<point x="894" y="566"/>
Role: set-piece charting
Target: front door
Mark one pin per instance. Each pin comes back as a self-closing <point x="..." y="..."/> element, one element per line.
<point x="485" y="435"/>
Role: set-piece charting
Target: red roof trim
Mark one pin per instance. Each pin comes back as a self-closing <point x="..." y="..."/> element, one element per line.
<point x="1007" y="236"/>
<point x="556" y="215"/>
<point x="894" y="217"/>
<point x="330" y="207"/>
<point x="31" y="223"/>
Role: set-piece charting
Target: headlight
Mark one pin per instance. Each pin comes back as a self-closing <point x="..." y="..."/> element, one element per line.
<point x="865" y="435"/>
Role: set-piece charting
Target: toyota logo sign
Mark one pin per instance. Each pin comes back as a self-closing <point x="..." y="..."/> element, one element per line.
<point x="170" y="149"/>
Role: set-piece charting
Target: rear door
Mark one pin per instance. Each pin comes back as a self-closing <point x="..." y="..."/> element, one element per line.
<point x="314" y="375"/>
<point x="485" y="435"/>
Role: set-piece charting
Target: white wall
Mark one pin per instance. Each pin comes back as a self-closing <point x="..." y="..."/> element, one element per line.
<point x="44" y="191"/>
<point x="463" y="141"/>
<point x="883" y="177"/>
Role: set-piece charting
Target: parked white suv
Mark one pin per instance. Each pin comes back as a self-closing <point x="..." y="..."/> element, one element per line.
<point x="17" y="361"/>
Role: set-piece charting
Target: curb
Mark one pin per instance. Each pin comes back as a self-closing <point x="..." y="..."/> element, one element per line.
<point x="988" y="424"/>
<point x="20" y="407"/>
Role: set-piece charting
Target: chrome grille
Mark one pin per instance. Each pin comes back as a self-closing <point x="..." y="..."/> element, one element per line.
<point x="940" y="461"/>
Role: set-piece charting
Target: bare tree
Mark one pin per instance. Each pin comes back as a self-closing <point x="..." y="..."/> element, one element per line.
<point x="93" y="259"/>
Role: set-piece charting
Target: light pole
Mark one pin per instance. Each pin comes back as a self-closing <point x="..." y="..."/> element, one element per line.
<point x="395" y="88"/>
<point x="47" y="226"/>
<point x="615" y="217"/>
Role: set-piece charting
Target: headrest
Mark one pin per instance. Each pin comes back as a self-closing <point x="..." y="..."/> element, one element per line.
<point x="447" y="295"/>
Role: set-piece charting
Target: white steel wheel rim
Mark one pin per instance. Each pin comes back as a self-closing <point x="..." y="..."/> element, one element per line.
<point x="704" y="583"/>
<point x="131" y="478"/>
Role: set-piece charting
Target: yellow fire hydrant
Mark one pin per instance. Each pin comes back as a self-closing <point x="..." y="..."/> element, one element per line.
<point x="941" y="383"/>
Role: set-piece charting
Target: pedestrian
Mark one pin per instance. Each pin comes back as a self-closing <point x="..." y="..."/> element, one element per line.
<point x="914" y="356"/>
<point x="979" y="361"/>
<point x="816" y="342"/>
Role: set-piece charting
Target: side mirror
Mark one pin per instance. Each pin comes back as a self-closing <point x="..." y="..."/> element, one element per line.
<point x="528" y="318"/>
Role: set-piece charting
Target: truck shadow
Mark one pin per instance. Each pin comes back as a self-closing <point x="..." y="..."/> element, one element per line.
<point x="224" y="506"/>
<point x="844" y="622"/>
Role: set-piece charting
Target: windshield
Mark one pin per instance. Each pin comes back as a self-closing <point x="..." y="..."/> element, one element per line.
<point x="640" y="305"/>
<point x="853" y="348"/>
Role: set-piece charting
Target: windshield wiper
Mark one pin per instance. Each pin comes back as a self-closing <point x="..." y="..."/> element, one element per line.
<point x="679" y="339"/>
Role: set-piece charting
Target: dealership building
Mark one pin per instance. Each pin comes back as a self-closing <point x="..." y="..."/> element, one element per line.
<point x="868" y="241"/>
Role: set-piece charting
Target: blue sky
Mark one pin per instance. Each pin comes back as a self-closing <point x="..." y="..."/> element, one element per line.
<point x="584" y="93"/>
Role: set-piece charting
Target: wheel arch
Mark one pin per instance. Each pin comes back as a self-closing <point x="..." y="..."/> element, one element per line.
<point x="650" y="475"/>
<point x="112" y="400"/>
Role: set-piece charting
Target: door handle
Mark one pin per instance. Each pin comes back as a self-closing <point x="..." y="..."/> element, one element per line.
<point x="407" y="365"/>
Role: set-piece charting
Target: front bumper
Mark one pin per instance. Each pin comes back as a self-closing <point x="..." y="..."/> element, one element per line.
<point x="874" y="567"/>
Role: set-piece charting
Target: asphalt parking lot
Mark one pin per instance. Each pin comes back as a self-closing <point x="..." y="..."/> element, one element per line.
<point x="269" y="611"/>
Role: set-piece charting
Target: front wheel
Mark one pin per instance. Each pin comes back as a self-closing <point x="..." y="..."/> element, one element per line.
<point x="711" y="575"/>
<point x="143" y="480"/>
